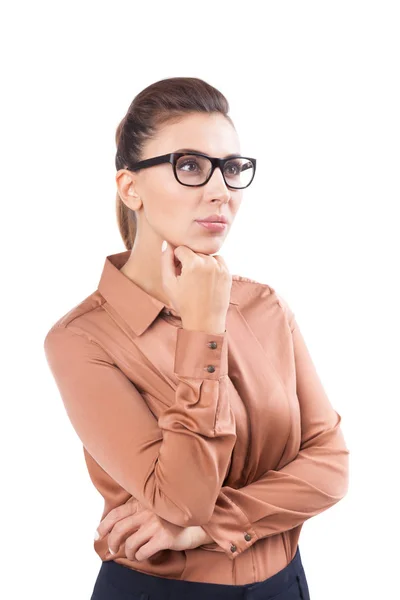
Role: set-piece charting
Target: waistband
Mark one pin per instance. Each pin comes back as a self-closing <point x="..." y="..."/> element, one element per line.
<point x="130" y="580"/>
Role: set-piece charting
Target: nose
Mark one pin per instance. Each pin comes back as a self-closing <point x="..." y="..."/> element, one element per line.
<point x="218" y="186"/>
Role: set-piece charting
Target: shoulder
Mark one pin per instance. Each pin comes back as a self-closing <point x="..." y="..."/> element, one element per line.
<point x="244" y="288"/>
<point x="252" y="294"/>
<point x="77" y="319"/>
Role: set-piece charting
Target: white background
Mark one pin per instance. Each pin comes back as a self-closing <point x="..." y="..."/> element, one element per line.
<point x="314" y="93"/>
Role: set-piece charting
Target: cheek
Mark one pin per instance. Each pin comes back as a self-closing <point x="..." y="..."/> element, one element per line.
<point x="169" y="205"/>
<point x="236" y="202"/>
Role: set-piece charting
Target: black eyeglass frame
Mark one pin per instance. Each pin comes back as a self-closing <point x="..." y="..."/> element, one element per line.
<point x="173" y="157"/>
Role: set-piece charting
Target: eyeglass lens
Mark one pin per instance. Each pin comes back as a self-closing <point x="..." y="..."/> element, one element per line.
<point x="194" y="170"/>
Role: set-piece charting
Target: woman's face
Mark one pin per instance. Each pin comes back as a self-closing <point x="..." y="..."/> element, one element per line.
<point x="167" y="210"/>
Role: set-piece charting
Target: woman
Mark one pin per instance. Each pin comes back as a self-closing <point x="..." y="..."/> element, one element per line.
<point x="204" y="424"/>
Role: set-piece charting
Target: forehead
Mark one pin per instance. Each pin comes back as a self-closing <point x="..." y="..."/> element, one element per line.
<point x="211" y="134"/>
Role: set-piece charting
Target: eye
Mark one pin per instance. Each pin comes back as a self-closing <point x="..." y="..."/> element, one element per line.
<point x="187" y="163"/>
<point x="234" y="167"/>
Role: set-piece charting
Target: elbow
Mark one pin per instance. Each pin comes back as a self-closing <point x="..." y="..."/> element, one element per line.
<point x="342" y="463"/>
<point x="329" y="450"/>
<point x="337" y="484"/>
<point x="331" y="470"/>
<point x="345" y="479"/>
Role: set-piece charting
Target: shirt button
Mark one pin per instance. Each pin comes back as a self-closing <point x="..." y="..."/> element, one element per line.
<point x="233" y="548"/>
<point x="210" y="368"/>
<point x="247" y="537"/>
<point x="213" y="345"/>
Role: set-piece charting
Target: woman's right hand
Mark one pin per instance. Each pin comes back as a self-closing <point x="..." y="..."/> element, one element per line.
<point x="201" y="292"/>
<point x="138" y="533"/>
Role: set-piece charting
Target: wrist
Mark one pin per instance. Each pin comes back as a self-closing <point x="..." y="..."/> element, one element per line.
<point x="204" y="536"/>
<point x="216" y="329"/>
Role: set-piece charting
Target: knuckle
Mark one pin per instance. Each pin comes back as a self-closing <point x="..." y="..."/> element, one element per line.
<point x="209" y="265"/>
<point x="118" y="527"/>
<point x="113" y="539"/>
<point x="130" y="546"/>
<point x="116" y="512"/>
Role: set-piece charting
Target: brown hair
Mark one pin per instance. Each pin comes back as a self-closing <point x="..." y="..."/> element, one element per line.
<point x="164" y="101"/>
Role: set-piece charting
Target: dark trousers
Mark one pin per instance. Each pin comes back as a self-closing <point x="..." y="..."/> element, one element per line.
<point x="117" y="582"/>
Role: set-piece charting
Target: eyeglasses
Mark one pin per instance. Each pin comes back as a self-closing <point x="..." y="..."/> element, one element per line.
<point x="195" y="169"/>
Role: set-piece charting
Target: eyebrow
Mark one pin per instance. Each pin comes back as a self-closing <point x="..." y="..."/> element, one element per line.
<point x="194" y="150"/>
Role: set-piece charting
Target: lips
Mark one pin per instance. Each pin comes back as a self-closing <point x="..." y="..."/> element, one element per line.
<point x="214" y="219"/>
<point x="212" y="226"/>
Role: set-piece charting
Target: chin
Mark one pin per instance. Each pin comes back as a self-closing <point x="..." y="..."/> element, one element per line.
<point x="208" y="247"/>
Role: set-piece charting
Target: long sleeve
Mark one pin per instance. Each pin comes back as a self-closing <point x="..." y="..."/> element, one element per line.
<point x="174" y="466"/>
<point x="314" y="481"/>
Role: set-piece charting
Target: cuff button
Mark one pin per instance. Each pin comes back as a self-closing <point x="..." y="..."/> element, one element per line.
<point x="212" y="345"/>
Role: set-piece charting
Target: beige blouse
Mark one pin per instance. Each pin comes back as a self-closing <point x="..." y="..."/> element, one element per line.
<point x="233" y="432"/>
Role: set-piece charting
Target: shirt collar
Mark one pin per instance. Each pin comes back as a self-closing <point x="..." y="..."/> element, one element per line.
<point x="133" y="304"/>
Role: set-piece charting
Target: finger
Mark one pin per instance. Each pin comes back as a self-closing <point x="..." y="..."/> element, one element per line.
<point x="185" y="255"/>
<point x="123" y="529"/>
<point x="115" y="515"/>
<point x="142" y="537"/>
<point x="220" y="260"/>
<point x="153" y="546"/>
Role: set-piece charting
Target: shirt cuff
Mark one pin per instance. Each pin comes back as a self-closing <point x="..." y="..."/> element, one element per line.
<point x="201" y="355"/>
<point x="230" y="528"/>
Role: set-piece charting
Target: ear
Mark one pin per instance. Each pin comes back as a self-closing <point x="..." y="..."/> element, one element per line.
<point x="126" y="184"/>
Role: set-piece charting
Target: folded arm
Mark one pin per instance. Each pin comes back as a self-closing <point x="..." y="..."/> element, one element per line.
<point x="314" y="481"/>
